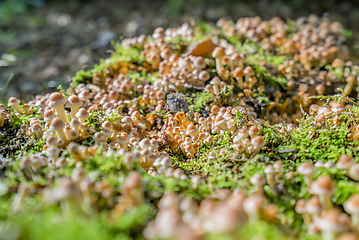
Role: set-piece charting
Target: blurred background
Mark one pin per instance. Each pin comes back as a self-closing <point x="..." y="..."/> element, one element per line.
<point x="44" y="43"/>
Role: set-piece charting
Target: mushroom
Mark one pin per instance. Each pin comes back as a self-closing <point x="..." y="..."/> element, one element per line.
<point x="351" y="80"/>
<point x="57" y="125"/>
<point x="14" y="103"/>
<point x="57" y="101"/>
<point x="323" y="187"/>
<point x="74" y="103"/>
<point x="331" y="223"/>
<point x="82" y="115"/>
<point x="218" y="54"/>
<point x="351" y="206"/>
<point x="270" y="171"/>
<point x="133" y="188"/>
<point x="345" y="162"/>
<point x="258" y="181"/>
<point x="307" y="170"/>
<point x="216" y="82"/>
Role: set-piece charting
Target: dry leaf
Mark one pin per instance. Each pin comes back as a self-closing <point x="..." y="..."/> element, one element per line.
<point x="202" y="49"/>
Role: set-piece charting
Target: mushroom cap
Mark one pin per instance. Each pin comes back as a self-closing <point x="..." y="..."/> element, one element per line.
<point x="248" y="71"/>
<point x="145" y="143"/>
<point x="337" y="63"/>
<point x="13" y="101"/>
<point x="66" y="189"/>
<point x="254" y="203"/>
<point x="314" y="206"/>
<point x="49" y="114"/>
<point x="56" y="99"/>
<point x="354" y="172"/>
<point x="258" y="179"/>
<point x="306" y="168"/>
<point x="191" y="130"/>
<point x="57" y="124"/>
<point x="269" y="169"/>
<point x="52" y="151"/>
<point x="238" y="72"/>
<point x="203" y="75"/>
<point x="75" y="123"/>
<point x="215" y="81"/>
<point x="345" y="162"/>
<point x="74" y="101"/>
<point x="322" y="186"/>
<point x="218" y="52"/>
<point x="351" y="79"/>
<point x="258" y="142"/>
<point x="351" y="206"/>
<point x="133" y="180"/>
<point x="82" y="113"/>
<point x="348" y="236"/>
<point x="300" y="206"/>
<point x="334" y="221"/>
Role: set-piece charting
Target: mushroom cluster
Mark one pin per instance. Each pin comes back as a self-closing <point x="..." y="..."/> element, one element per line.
<point x="196" y="132"/>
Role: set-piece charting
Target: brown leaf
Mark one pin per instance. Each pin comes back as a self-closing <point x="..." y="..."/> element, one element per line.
<point x="202" y="49"/>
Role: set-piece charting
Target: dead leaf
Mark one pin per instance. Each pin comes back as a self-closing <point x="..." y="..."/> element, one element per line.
<point x="201" y="49"/>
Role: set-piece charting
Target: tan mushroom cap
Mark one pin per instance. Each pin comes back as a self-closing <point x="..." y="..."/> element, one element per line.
<point x="192" y="130"/>
<point x="257" y="179"/>
<point x="258" y="142"/>
<point x="314" y="206"/>
<point x="334" y="221"/>
<point x="344" y="162"/>
<point x="238" y="72"/>
<point x="218" y="52"/>
<point x="269" y="169"/>
<point x="74" y="101"/>
<point x="56" y="99"/>
<point x="300" y="206"/>
<point x="145" y="143"/>
<point x="215" y="81"/>
<point x="49" y="114"/>
<point x="351" y="79"/>
<point x="248" y="71"/>
<point x="348" y="236"/>
<point x="82" y="113"/>
<point x="337" y="63"/>
<point x="57" y="124"/>
<point x="133" y="180"/>
<point x="306" y="168"/>
<point x="322" y="186"/>
<point x="13" y="101"/>
<point x="351" y="206"/>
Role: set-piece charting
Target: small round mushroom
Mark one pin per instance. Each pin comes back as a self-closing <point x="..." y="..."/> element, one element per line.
<point x="351" y="206"/>
<point x="82" y="115"/>
<point x="57" y="125"/>
<point x="331" y="223"/>
<point x="216" y="82"/>
<point x="323" y="187"/>
<point x="258" y="181"/>
<point x="269" y="172"/>
<point x="14" y="103"/>
<point x="345" y="162"/>
<point x="307" y="170"/>
<point x="74" y="103"/>
<point x="57" y="101"/>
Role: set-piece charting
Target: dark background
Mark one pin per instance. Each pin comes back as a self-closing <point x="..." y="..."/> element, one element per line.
<point x="43" y="43"/>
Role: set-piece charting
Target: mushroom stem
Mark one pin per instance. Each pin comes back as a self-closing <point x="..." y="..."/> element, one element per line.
<point x="308" y="180"/>
<point x="328" y="235"/>
<point x="326" y="201"/>
<point x="348" y="88"/>
<point x="355" y="220"/>
<point x="270" y="179"/>
<point x="16" y="108"/>
<point x="61" y="135"/>
<point x="61" y="113"/>
<point x="219" y="64"/>
<point x="74" y="110"/>
<point x="240" y="82"/>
